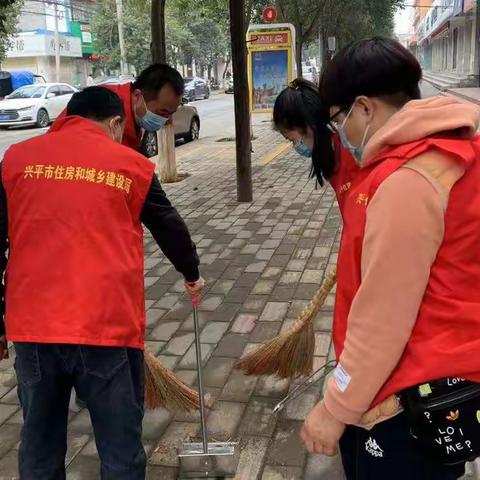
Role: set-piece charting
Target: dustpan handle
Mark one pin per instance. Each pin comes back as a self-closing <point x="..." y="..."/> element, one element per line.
<point x="198" y="349"/>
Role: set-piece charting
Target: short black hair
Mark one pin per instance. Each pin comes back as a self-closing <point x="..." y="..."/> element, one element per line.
<point x="96" y="103"/>
<point x="300" y="107"/>
<point x="376" y="67"/>
<point x="155" y="77"/>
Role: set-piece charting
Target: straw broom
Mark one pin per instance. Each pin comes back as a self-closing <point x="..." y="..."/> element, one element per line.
<point x="290" y="354"/>
<point x="164" y="389"/>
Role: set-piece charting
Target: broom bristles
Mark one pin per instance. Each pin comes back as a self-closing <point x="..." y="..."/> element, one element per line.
<point x="290" y="354"/>
<point x="164" y="389"/>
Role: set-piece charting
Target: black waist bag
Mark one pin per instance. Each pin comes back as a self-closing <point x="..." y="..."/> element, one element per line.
<point x="444" y="417"/>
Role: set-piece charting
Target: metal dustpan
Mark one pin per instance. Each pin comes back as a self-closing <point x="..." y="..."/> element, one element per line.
<point x="204" y="459"/>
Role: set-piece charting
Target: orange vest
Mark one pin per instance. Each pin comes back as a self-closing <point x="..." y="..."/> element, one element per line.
<point x="445" y="341"/>
<point x="75" y="268"/>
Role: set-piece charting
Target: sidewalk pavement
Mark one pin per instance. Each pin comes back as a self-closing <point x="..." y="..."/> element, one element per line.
<point x="263" y="261"/>
<point x="471" y="94"/>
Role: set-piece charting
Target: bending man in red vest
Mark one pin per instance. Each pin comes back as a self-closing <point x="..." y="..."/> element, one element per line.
<point x="76" y="201"/>
<point x="149" y="102"/>
<point x="407" y="311"/>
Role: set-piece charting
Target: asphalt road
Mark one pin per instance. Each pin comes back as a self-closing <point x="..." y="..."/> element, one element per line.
<point x="216" y="117"/>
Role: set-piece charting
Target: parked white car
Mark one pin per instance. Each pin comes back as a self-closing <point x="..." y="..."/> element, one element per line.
<point x="37" y="104"/>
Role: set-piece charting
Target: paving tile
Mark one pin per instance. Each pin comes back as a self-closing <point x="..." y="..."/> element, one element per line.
<point x="213" y="332"/>
<point x="155" y="423"/>
<point x="239" y="387"/>
<point x="164" y="331"/>
<point x="253" y="451"/>
<point x="224" y="419"/>
<point x="320" y="466"/>
<point x="259" y="419"/>
<point x="7" y="411"/>
<point x="286" y="448"/>
<point x="189" y="361"/>
<point x="179" y="344"/>
<point x="165" y="453"/>
<point x="264" y="331"/>
<point x="274" y="311"/>
<point x="282" y="473"/>
<point x="232" y="345"/>
<point x="8" y="466"/>
<point x="217" y="371"/>
<point x="244" y="323"/>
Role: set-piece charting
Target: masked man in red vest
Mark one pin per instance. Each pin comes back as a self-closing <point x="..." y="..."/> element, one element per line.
<point x="149" y="102"/>
<point x="76" y="200"/>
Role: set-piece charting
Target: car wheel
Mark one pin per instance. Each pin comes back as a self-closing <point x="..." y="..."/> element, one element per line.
<point x="149" y="146"/>
<point x="207" y="95"/>
<point x="194" y="132"/>
<point x="43" y="119"/>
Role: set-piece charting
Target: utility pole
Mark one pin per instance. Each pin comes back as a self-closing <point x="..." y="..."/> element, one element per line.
<point x="242" y="108"/>
<point x="121" y="39"/>
<point x="57" y="43"/>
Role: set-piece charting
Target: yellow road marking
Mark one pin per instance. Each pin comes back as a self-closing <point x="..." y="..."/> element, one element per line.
<point x="266" y="159"/>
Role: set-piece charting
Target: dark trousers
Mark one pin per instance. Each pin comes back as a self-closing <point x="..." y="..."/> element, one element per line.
<point x="388" y="452"/>
<point x="111" y="382"/>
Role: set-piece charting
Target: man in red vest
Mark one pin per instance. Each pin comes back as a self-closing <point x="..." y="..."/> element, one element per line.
<point x="149" y="102"/>
<point x="76" y="200"/>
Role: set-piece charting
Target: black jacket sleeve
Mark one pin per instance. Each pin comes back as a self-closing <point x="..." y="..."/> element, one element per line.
<point x="3" y="251"/>
<point x="170" y="231"/>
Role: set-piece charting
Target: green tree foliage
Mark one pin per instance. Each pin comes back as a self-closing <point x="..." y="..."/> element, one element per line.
<point x="9" y="12"/>
<point x="136" y="19"/>
<point x="347" y="20"/>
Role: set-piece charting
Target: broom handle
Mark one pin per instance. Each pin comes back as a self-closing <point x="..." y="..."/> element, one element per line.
<point x="198" y="349"/>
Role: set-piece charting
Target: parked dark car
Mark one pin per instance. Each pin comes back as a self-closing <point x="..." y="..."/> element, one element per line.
<point x="196" y="88"/>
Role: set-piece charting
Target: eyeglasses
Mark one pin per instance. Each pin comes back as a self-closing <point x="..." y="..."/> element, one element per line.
<point x="333" y="122"/>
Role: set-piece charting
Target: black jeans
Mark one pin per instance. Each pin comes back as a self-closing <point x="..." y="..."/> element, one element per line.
<point x="111" y="382"/>
<point x="389" y="452"/>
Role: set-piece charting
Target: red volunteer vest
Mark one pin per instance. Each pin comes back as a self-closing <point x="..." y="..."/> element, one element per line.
<point x="132" y="137"/>
<point x="75" y="268"/>
<point x="446" y="338"/>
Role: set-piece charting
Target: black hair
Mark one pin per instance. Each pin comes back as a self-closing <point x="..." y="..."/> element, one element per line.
<point x="155" y="77"/>
<point x="377" y="67"/>
<point x="96" y="103"/>
<point x="300" y="107"/>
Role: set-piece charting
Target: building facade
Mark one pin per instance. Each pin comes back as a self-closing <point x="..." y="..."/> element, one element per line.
<point x="34" y="47"/>
<point x="445" y="39"/>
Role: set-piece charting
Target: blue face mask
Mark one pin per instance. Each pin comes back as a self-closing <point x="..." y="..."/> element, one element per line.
<point x="151" y="122"/>
<point x="303" y="150"/>
<point x="357" y="152"/>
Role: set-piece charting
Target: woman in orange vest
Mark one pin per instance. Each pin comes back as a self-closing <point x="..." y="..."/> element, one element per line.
<point x="404" y="401"/>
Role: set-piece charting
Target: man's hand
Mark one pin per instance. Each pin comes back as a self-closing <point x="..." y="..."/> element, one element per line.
<point x="194" y="289"/>
<point x="3" y="348"/>
<point x="322" y="431"/>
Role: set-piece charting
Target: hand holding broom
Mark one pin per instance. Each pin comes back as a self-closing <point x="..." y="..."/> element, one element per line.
<point x="290" y="354"/>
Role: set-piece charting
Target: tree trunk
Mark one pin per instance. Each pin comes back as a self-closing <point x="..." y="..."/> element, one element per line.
<point x="326" y="57"/>
<point x="242" y="110"/>
<point x="158" y="46"/>
<point x="166" y="164"/>
<point x="298" y="52"/>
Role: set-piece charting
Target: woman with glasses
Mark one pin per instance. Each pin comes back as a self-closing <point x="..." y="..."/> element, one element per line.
<point x="404" y="400"/>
